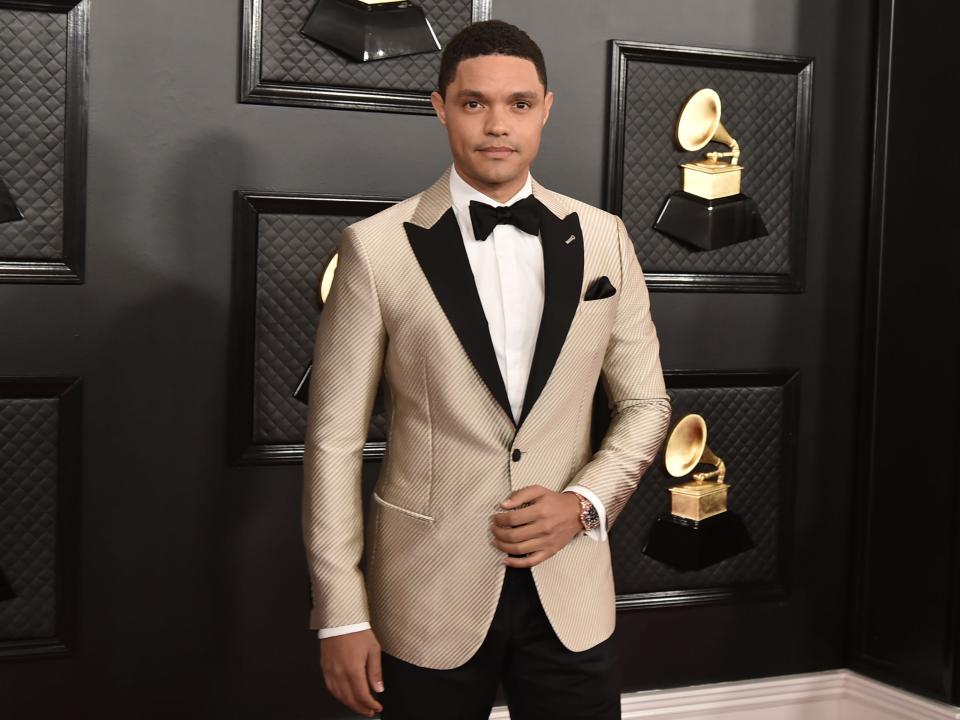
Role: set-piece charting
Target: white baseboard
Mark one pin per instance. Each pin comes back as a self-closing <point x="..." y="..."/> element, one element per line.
<point x="829" y="695"/>
<point x="867" y="698"/>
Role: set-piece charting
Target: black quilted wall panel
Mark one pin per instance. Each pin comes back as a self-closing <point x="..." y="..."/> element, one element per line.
<point x="32" y="91"/>
<point x="763" y="108"/>
<point x="292" y="251"/>
<point x="290" y="57"/>
<point x="284" y="67"/>
<point x="283" y="245"/>
<point x="28" y="512"/>
<point x="751" y="425"/>
<point x="43" y="115"/>
<point x="39" y="464"/>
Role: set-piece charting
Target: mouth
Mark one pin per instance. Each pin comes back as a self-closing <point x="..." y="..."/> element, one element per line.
<point x="496" y="151"/>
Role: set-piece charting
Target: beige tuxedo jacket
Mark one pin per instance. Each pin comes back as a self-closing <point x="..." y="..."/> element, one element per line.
<point x="403" y="305"/>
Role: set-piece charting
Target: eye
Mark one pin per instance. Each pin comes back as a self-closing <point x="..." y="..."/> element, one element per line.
<point x="524" y="103"/>
<point x="472" y="103"/>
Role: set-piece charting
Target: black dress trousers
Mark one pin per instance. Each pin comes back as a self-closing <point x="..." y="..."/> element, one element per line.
<point x="542" y="679"/>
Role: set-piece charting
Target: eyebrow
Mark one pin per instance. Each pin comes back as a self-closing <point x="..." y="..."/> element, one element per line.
<point x="521" y="94"/>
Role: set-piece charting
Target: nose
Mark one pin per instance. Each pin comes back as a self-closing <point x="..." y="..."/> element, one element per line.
<point x="496" y="120"/>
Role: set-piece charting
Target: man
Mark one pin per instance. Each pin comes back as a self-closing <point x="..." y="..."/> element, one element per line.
<point x="486" y="550"/>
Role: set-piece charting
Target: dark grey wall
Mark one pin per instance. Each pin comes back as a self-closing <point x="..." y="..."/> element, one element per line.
<point x="192" y="579"/>
<point x="905" y="622"/>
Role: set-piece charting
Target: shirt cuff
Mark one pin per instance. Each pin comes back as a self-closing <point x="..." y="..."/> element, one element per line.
<point x="342" y="629"/>
<point x="599" y="533"/>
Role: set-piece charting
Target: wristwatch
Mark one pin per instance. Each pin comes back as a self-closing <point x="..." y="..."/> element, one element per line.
<point x="589" y="518"/>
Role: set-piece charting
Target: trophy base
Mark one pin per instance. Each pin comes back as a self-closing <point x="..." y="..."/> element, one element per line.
<point x="695" y="544"/>
<point x="8" y="208"/>
<point x="302" y="393"/>
<point x="710" y="224"/>
<point x="6" y="592"/>
<point x="370" y="32"/>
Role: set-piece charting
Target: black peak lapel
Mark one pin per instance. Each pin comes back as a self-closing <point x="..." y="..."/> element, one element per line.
<point x="562" y="241"/>
<point x="443" y="258"/>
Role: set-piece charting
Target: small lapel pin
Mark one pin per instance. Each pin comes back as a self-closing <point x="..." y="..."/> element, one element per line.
<point x="570" y="239"/>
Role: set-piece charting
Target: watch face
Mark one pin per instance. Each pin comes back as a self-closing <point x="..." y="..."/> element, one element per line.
<point x="593" y="521"/>
<point x="589" y="517"/>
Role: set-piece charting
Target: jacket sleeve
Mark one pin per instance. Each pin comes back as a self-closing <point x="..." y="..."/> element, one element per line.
<point x="637" y="397"/>
<point x="347" y="362"/>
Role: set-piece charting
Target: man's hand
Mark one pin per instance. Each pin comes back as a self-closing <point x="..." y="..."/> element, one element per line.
<point x="351" y="666"/>
<point x="547" y="522"/>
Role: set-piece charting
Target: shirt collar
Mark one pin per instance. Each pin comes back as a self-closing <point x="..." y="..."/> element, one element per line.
<point x="462" y="193"/>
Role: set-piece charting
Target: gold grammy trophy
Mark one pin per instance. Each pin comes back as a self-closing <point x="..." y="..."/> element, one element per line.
<point x="699" y="124"/>
<point x="710" y="212"/>
<point x="686" y="448"/>
<point x="699" y="530"/>
<point x="323" y="289"/>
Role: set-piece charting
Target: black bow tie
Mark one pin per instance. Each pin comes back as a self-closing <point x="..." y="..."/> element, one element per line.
<point x="524" y="213"/>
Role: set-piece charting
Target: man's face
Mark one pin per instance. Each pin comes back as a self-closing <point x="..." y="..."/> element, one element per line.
<point x="494" y="111"/>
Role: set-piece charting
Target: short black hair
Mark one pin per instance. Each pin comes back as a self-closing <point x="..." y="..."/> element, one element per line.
<point x="488" y="37"/>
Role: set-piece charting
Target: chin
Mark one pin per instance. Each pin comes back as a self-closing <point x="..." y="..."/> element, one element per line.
<point x="497" y="171"/>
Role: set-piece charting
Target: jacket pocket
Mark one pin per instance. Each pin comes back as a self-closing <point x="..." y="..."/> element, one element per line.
<point x="406" y="511"/>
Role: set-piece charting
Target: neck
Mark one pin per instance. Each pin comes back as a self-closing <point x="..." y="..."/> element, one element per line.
<point x="500" y="192"/>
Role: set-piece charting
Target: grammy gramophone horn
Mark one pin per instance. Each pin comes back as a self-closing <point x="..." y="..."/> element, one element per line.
<point x="700" y="124"/>
<point x="687" y="448"/>
<point x="326" y="277"/>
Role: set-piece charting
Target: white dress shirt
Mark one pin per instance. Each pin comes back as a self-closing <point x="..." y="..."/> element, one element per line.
<point x="508" y="270"/>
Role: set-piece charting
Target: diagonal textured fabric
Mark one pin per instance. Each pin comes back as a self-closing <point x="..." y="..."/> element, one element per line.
<point x="524" y="213"/>
<point x="431" y="581"/>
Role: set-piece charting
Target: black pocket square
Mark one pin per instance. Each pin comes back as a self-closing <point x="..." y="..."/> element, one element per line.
<point x="600" y="288"/>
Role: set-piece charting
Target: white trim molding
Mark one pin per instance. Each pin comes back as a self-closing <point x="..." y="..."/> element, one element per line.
<point x="828" y="695"/>
<point x="868" y="698"/>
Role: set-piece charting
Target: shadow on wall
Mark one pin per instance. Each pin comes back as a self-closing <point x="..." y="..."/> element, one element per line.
<point x="161" y="514"/>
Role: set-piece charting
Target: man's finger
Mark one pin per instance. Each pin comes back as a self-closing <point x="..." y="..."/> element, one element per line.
<point x="519" y="547"/>
<point x="374" y="673"/>
<point x="524" y="562"/>
<point x="520" y="516"/>
<point x="524" y="494"/>
<point x="340" y="689"/>
<point x="518" y="534"/>
<point x="351" y="702"/>
<point x="364" y="701"/>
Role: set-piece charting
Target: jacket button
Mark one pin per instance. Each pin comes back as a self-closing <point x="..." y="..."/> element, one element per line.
<point x="516" y="454"/>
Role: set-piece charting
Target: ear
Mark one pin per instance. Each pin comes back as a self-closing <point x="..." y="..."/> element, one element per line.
<point x="439" y="107"/>
<point x="547" y="104"/>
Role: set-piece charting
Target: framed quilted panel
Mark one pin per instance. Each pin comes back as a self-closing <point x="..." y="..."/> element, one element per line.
<point x="752" y="418"/>
<point x="39" y="514"/>
<point x="766" y="107"/>
<point x="282" y="244"/>
<point x="43" y="139"/>
<point x="280" y="66"/>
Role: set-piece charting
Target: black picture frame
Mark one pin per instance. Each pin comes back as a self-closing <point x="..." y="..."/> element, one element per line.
<point x="69" y="268"/>
<point x="787" y="380"/>
<point x="254" y="89"/>
<point x="68" y="391"/>
<point x="622" y="54"/>
<point x="243" y="449"/>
